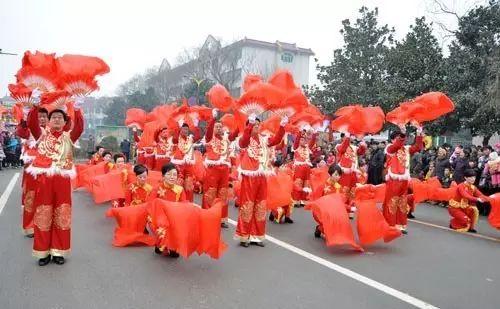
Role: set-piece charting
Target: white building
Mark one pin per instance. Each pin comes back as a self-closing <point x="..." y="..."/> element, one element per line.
<point x="233" y="62"/>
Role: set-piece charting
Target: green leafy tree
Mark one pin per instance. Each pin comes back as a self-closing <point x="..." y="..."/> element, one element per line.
<point x="356" y="74"/>
<point x="472" y="70"/>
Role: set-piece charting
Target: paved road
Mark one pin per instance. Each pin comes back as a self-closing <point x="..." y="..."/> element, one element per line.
<point x="439" y="267"/>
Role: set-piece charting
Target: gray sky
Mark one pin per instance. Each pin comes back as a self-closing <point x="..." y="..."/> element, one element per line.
<point x="134" y="35"/>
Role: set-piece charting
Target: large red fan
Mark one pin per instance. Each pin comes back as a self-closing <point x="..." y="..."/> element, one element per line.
<point x="294" y="100"/>
<point x="220" y="98"/>
<point x="77" y="73"/>
<point x="21" y="94"/>
<point x="250" y="81"/>
<point x="135" y="117"/>
<point x="55" y="100"/>
<point x="358" y="120"/>
<point x="38" y="71"/>
<point x="229" y="122"/>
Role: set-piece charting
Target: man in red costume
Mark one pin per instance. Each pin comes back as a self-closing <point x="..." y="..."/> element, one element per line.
<point x="183" y="157"/>
<point x="347" y="156"/>
<point x="218" y="164"/>
<point x="462" y="208"/>
<point x="162" y="149"/>
<point x="398" y="176"/>
<point x="145" y="155"/>
<point x="28" y="182"/>
<point x="255" y="165"/>
<point x="53" y="169"/>
<point x="302" y="168"/>
<point x="140" y="191"/>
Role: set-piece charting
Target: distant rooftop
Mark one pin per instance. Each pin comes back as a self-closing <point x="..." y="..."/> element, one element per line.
<point x="280" y="45"/>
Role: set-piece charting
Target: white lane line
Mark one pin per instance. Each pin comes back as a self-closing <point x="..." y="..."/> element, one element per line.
<point x="349" y="273"/>
<point x="452" y="230"/>
<point x="5" y="195"/>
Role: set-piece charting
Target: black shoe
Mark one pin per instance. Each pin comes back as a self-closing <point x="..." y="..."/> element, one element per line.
<point x="30" y="235"/>
<point x="173" y="254"/>
<point x="224" y="225"/>
<point x="450" y="227"/>
<point x="271" y="216"/>
<point x="317" y="232"/>
<point x="259" y="244"/>
<point x="44" y="261"/>
<point x="410" y="216"/>
<point x="59" y="260"/>
<point x="288" y="220"/>
<point x="146" y="231"/>
<point x="244" y="244"/>
<point x="472" y="231"/>
<point x="158" y="251"/>
<point x="405" y="232"/>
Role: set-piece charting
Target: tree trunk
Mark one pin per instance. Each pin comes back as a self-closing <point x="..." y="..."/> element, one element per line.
<point x="486" y="139"/>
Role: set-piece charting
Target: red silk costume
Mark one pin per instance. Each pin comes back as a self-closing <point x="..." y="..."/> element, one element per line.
<point x="138" y="194"/>
<point x="183" y="158"/>
<point x="218" y="165"/>
<point x="145" y="155"/>
<point x="255" y="165"/>
<point x="28" y="182"/>
<point x="53" y="169"/>
<point x="347" y="156"/>
<point x="125" y="180"/>
<point x="462" y="208"/>
<point x="331" y="187"/>
<point x="397" y="180"/>
<point x="302" y="169"/>
<point x="96" y="159"/>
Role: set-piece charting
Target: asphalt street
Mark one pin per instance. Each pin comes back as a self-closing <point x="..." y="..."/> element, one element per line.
<point x="439" y="267"/>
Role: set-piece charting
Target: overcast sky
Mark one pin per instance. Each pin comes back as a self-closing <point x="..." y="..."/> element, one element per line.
<point x="134" y="35"/>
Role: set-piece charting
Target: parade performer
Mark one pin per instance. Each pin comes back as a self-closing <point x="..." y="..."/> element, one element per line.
<point x="183" y="157"/>
<point x="347" y="155"/>
<point x="168" y="190"/>
<point x="97" y="157"/>
<point x="398" y="176"/>
<point x="162" y="149"/>
<point x="52" y="168"/>
<point x="145" y="155"/>
<point x="140" y="191"/>
<point x="255" y="165"/>
<point x="302" y="167"/>
<point x="120" y="165"/>
<point x="218" y="165"/>
<point x="462" y="208"/>
<point x="28" y="181"/>
<point x="283" y="198"/>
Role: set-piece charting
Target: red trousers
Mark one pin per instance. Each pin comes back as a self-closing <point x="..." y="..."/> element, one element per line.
<point x="348" y="181"/>
<point x="216" y="185"/>
<point x="186" y="179"/>
<point x="463" y="219"/>
<point x="159" y="162"/>
<point x="52" y="219"/>
<point x="301" y="177"/>
<point x="28" y="199"/>
<point x="252" y="209"/>
<point x="396" y="203"/>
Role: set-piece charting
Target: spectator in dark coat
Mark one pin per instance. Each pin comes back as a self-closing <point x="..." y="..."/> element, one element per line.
<point x="459" y="163"/>
<point x="442" y="162"/>
<point x="376" y="165"/>
<point x="125" y="148"/>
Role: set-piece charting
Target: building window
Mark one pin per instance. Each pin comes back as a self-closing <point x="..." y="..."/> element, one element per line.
<point x="287" y="57"/>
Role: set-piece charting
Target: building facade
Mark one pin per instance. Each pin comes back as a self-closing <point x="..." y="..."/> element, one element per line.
<point x="228" y="65"/>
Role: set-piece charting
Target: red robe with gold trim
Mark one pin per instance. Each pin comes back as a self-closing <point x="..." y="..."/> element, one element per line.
<point x="183" y="158"/>
<point x="53" y="169"/>
<point x="397" y="179"/>
<point x="462" y="208"/>
<point x="255" y="165"/>
<point x="302" y="170"/>
<point x="138" y="194"/>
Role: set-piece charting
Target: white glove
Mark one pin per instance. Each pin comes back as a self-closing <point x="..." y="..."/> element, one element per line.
<point x="307" y="190"/>
<point x="353" y="209"/>
<point x="284" y="121"/>
<point x="479" y="200"/>
<point x="419" y="129"/>
<point x="26" y="111"/>
<point x="347" y="134"/>
<point x="195" y="122"/>
<point x="362" y="144"/>
<point x="215" y="112"/>
<point x="35" y="96"/>
<point x="134" y="129"/>
<point x="180" y="122"/>
<point x="251" y="118"/>
<point x="402" y="128"/>
<point x="79" y="101"/>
